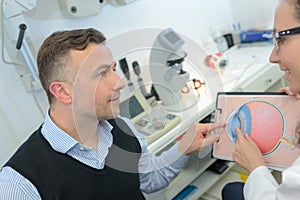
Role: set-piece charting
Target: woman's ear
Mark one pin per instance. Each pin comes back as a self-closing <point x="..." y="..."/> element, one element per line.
<point x="62" y="92"/>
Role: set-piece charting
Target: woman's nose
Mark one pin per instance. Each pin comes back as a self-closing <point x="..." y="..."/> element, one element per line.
<point x="274" y="57"/>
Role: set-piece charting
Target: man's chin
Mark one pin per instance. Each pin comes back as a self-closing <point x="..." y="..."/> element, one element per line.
<point x="115" y="113"/>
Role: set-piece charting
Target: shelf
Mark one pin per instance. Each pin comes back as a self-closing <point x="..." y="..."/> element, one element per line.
<point x="193" y="169"/>
<point x="206" y="180"/>
<point x="215" y="191"/>
<point x="204" y="107"/>
<point x="190" y="173"/>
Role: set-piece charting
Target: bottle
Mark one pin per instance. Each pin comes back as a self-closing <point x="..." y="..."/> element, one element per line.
<point x="236" y="30"/>
<point x="217" y="32"/>
<point x="221" y="43"/>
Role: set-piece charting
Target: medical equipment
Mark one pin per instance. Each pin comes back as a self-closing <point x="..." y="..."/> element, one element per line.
<point x="193" y="84"/>
<point x="86" y="8"/>
<point x="137" y="70"/>
<point x="80" y="8"/>
<point x="151" y="122"/>
<point x="216" y="61"/>
<point x="125" y="70"/>
<point x="15" y="24"/>
<point x="120" y="2"/>
<point x="166" y="69"/>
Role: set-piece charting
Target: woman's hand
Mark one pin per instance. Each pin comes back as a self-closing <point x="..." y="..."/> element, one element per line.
<point x="289" y="92"/>
<point x="246" y="152"/>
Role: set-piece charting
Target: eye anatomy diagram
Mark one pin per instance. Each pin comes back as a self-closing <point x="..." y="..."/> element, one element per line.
<point x="263" y="121"/>
<point x="271" y="121"/>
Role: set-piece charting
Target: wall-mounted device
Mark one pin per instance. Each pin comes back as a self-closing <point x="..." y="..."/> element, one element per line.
<point x="86" y="8"/>
<point x="166" y="69"/>
<point x="137" y="70"/>
<point x="125" y="69"/>
<point x="120" y="2"/>
<point x="83" y="8"/>
<point x="15" y="25"/>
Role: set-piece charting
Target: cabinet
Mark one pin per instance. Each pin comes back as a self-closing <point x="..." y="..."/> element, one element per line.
<point x="269" y="75"/>
<point x="248" y="70"/>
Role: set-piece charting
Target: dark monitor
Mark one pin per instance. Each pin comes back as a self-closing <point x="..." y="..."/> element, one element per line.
<point x="131" y="107"/>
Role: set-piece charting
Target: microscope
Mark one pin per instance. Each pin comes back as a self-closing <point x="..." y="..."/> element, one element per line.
<point x="166" y="69"/>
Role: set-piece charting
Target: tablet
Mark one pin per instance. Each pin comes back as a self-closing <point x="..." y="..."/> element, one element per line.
<point x="272" y="120"/>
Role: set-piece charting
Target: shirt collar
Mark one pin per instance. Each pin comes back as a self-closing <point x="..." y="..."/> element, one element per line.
<point x="61" y="141"/>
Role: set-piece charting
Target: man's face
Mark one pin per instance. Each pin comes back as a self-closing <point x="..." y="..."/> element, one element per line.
<point x="288" y="54"/>
<point x="96" y="88"/>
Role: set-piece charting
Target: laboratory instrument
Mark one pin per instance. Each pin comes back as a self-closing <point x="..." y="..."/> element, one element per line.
<point x="137" y="70"/>
<point x="166" y="68"/>
<point x="151" y="122"/>
<point x="217" y="60"/>
<point x="125" y="69"/>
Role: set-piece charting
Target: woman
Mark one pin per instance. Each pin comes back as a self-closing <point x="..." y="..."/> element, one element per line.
<point x="260" y="184"/>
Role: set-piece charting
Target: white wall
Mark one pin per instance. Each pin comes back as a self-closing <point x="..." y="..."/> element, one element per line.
<point x="190" y="17"/>
<point x="254" y="14"/>
<point x="19" y="113"/>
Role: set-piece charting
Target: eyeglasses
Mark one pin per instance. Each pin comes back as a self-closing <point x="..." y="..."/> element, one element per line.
<point x="277" y="36"/>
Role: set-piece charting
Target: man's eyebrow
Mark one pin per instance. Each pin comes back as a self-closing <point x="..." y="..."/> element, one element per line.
<point x="112" y="64"/>
<point x="105" y="66"/>
<point x="101" y="68"/>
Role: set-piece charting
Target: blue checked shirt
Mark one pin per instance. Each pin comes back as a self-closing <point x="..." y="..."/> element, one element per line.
<point x="155" y="172"/>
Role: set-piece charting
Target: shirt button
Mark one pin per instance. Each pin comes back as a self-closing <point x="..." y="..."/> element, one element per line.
<point x="81" y="148"/>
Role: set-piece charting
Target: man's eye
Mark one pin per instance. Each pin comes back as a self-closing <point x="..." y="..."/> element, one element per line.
<point x="101" y="74"/>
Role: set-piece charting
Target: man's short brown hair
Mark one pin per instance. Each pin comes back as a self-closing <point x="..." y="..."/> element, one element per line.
<point x="54" y="59"/>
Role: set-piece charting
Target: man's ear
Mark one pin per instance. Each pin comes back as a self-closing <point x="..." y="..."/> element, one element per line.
<point x="61" y="91"/>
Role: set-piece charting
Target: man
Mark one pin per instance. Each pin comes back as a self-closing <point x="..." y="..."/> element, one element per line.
<point x="83" y="150"/>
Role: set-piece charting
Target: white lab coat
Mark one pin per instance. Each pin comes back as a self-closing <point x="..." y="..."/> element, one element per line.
<point x="261" y="185"/>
